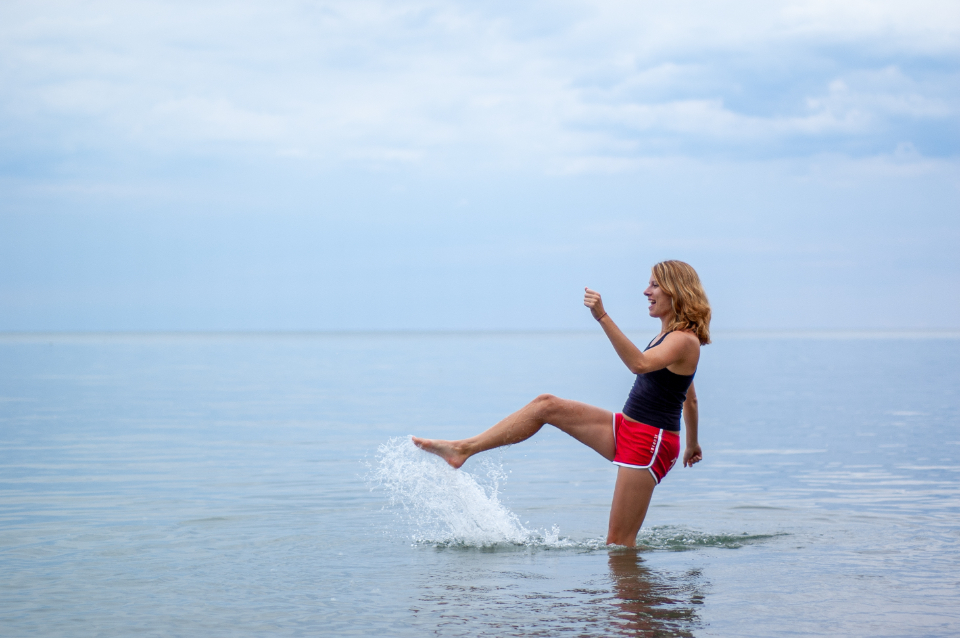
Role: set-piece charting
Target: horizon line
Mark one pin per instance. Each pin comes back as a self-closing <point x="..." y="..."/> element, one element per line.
<point x="951" y="333"/>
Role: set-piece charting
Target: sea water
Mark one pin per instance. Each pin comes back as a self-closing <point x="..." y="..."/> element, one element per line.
<point x="233" y="485"/>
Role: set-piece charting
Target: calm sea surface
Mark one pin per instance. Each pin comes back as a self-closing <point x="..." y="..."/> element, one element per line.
<point x="228" y="485"/>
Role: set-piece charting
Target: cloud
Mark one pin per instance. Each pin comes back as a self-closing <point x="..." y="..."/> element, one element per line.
<point x="570" y="87"/>
<point x="201" y="119"/>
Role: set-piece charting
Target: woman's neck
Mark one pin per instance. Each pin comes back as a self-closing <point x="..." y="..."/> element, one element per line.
<point x="665" y="323"/>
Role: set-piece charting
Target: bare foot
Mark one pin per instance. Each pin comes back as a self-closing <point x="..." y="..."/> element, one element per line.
<point x="449" y="451"/>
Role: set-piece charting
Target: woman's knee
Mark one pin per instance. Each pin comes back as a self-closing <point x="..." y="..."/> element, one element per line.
<point x="546" y="405"/>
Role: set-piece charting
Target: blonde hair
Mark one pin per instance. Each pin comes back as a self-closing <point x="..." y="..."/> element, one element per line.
<point x="691" y="308"/>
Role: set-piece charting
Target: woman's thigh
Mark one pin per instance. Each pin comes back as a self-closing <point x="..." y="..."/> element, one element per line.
<point x="588" y="424"/>
<point x="631" y="498"/>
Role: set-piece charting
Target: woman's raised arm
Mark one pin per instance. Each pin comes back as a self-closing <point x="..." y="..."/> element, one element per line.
<point x="637" y="361"/>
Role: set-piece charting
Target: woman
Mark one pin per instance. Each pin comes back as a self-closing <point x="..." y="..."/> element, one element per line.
<point x="644" y="440"/>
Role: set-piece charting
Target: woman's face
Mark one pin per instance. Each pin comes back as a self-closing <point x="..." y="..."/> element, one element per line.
<point x="660" y="305"/>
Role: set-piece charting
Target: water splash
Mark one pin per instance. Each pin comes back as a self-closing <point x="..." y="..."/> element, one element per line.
<point x="448" y="507"/>
<point x="445" y="505"/>
<point x="678" y="539"/>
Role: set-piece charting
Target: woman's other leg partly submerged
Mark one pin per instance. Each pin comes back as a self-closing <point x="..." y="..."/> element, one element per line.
<point x="631" y="498"/>
<point x="590" y="425"/>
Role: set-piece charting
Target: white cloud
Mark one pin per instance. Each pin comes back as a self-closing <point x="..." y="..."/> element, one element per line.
<point x="200" y="118"/>
<point x="581" y="86"/>
<point x="929" y="27"/>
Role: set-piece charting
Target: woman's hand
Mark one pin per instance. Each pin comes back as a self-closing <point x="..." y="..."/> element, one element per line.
<point x="591" y="300"/>
<point x="692" y="455"/>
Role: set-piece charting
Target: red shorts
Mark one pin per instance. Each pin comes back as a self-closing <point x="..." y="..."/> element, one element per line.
<point x="644" y="447"/>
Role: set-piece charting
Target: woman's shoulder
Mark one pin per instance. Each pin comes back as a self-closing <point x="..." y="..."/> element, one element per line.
<point x="684" y="335"/>
<point x="684" y="338"/>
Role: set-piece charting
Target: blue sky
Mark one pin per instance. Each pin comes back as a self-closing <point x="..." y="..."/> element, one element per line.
<point x="442" y="165"/>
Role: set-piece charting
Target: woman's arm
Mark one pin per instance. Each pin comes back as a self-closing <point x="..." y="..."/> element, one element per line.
<point x="637" y="361"/>
<point x="691" y="419"/>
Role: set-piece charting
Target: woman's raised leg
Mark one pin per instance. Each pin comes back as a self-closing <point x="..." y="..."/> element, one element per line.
<point x="631" y="498"/>
<point x="590" y="425"/>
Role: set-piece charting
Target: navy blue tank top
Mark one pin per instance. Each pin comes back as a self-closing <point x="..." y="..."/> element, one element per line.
<point x="657" y="397"/>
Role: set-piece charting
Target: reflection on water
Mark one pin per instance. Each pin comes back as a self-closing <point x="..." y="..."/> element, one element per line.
<point x="512" y="592"/>
<point x="652" y="603"/>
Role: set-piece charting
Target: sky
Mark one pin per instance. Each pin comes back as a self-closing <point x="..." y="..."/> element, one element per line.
<point x="441" y="165"/>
